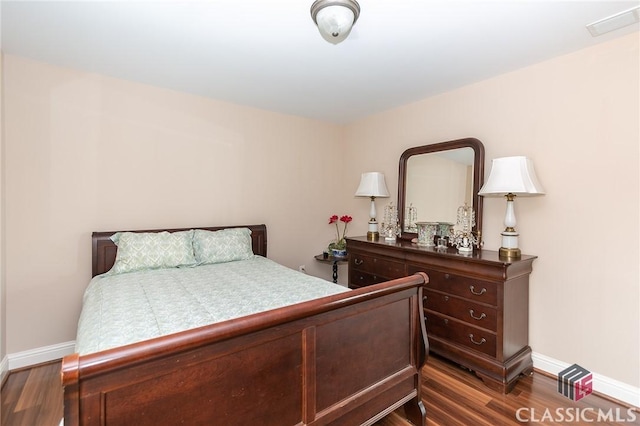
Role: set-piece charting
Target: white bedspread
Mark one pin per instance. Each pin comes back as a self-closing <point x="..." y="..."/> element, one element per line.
<point x="132" y="307"/>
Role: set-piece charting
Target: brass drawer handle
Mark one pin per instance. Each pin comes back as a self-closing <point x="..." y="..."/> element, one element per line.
<point x="483" y="340"/>
<point x="480" y="293"/>
<point x="446" y="298"/>
<point x="482" y="315"/>
<point x="358" y="262"/>
<point x="446" y="321"/>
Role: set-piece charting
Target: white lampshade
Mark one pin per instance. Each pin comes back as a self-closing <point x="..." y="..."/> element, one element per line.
<point x="335" y="18"/>
<point x="512" y="175"/>
<point x="372" y="185"/>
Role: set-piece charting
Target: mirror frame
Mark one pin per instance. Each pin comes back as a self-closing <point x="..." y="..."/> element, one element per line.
<point x="478" y="176"/>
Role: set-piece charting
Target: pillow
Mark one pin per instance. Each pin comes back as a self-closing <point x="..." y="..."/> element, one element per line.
<point x="225" y="245"/>
<point x="152" y="250"/>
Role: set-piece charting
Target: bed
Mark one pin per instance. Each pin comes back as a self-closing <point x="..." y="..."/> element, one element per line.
<point x="344" y="358"/>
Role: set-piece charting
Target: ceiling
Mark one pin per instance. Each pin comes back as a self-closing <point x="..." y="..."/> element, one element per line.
<point x="269" y="54"/>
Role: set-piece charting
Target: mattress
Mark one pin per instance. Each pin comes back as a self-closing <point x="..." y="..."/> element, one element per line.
<point x="132" y="307"/>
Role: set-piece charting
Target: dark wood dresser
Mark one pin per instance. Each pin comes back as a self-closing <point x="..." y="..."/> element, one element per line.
<point x="476" y="306"/>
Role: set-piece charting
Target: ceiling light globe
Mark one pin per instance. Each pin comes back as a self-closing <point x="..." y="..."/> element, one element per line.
<point x="334" y="23"/>
<point x="335" y="18"/>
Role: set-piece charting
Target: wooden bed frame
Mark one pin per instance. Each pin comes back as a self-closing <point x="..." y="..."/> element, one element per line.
<point x="346" y="359"/>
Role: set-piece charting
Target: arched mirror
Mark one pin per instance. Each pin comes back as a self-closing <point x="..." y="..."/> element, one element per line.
<point x="436" y="179"/>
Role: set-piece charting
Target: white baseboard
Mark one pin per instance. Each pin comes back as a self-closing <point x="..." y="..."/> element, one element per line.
<point x="601" y="384"/>
<point x="40" y="355"/>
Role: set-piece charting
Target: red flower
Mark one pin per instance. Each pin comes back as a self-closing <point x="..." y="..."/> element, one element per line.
<point x="340" y="240"/>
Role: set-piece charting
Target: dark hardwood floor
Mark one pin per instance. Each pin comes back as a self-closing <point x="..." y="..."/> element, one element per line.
<point x="452" y="395"/>
<point x="32" y="397"/>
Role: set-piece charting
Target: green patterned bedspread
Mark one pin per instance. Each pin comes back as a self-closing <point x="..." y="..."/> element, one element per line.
<point x="128" y="308"/>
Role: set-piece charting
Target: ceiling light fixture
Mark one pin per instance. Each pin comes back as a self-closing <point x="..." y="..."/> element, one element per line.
<point x="335" y="18"/>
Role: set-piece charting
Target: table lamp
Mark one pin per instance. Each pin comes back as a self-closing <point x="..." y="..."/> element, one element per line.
<point x="511" y="176"/>
<point x="372" y="185"/>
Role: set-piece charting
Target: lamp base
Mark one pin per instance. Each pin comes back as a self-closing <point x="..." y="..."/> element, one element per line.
<point x="509" y="249"/>
<point x="509" y="253"/>
<point x="373" y="233"/>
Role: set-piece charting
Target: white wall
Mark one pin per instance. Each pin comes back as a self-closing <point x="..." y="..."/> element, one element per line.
<point x="578" y="118"/>
<point x="85" y="152"/>
<point x="3" y="298"/>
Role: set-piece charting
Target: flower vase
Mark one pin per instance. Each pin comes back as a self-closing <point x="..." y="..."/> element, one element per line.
<point x="338" y="252"/>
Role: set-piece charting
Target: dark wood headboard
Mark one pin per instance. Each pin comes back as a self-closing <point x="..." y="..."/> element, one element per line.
<point x="104" y="250"/>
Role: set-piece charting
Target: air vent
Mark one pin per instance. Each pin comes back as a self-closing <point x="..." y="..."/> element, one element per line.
<point x="615" y="22"/>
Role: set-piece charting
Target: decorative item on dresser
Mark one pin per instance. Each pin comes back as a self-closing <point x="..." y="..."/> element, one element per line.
<point x="372" y="186"/>
<point x="390" y="227"/>
<point x="463" y="237"/>
<point x="511" y="176"/>
<point x="476" y="305"/>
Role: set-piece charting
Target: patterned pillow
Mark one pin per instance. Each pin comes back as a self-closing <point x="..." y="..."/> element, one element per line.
<point x="152" y="250"/>
<point x="225" y="245"/>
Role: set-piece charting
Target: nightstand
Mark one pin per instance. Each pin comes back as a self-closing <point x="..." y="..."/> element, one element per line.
<point x="335" y="261"/>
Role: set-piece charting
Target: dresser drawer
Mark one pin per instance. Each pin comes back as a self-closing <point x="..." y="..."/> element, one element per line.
<point x="376" y="266"/>
<point x="461" y="333"/>
<point x="465" y="310"/>
<point x="457" y="285"/>
<point x="362" y="279"/>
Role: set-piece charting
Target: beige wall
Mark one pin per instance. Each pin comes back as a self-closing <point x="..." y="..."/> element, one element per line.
<point x="85" y="152"/>
<point x="3" y="299"/>
<point x="577" y="117"/>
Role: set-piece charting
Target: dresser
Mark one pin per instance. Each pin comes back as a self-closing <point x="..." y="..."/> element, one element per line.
<point x="476" y="306"/>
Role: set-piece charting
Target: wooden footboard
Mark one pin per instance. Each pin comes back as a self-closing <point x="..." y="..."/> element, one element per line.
<point x="346" y="359"/>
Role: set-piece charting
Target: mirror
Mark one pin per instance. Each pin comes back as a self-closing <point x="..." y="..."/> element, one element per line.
<point x="436" y="179"/>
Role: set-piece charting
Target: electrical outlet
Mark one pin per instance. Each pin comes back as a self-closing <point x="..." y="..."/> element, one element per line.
<point x="302" y="269"/>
